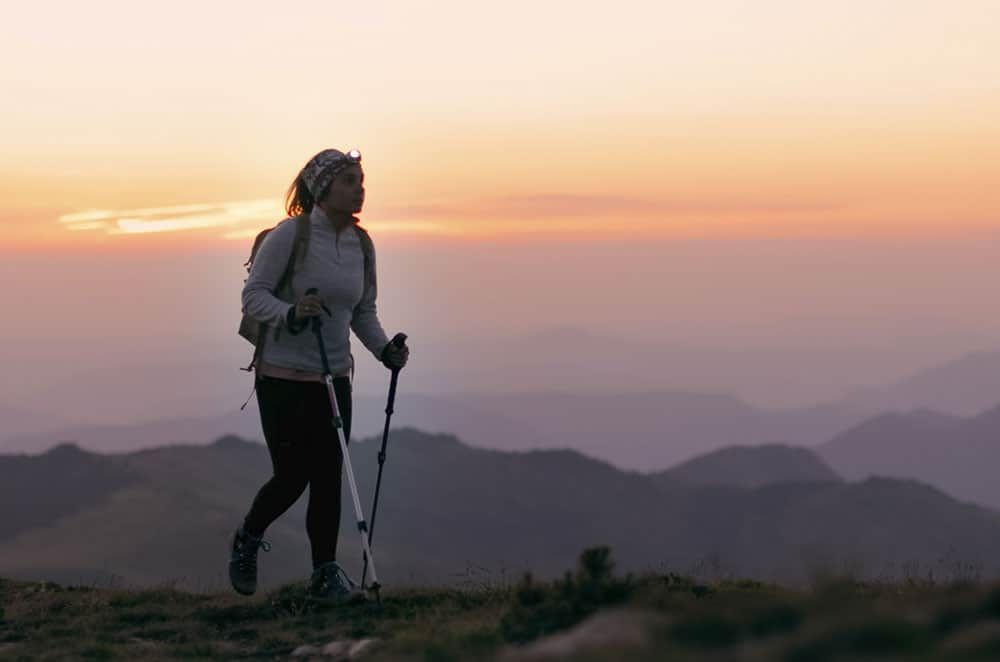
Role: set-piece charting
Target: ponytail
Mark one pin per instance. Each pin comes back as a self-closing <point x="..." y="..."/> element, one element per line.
<point x="298" y="199"/>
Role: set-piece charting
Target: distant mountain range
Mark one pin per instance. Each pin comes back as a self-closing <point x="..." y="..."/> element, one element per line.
<point x="965" y="386"/>
<point x="640" y="431"/>
<point x="958" y="455"/>
<point x="177" y="383"/>
<point x="565" y="359"/>
<point x="647" y="430"/>
<point x="454" y="513"/>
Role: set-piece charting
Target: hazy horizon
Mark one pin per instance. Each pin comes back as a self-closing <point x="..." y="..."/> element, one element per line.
<point x="830" y="316"/>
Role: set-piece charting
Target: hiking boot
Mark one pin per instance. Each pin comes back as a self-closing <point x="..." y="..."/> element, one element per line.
<point x="331" y="584"/>
<point x="243" y="561"/>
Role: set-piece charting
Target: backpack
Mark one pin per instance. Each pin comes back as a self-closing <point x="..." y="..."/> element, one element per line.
<point x="256" y="332"/>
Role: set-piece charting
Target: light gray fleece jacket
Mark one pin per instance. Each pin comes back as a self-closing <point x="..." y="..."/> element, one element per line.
<point x="335" y="265"/>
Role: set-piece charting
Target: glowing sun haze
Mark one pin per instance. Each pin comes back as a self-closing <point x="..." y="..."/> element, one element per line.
<point x="515" y="119"/>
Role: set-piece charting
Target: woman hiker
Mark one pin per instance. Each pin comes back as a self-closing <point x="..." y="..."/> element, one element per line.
<point x="338" y="260"/>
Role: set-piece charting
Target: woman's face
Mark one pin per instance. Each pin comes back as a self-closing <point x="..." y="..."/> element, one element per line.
<point x="346" y="193"/>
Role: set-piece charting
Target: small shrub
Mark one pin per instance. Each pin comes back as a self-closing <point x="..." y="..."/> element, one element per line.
<point x="540" y="609"/>
<point x="680" y="584"/>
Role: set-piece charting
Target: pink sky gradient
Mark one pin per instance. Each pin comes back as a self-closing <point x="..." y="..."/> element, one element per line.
<point x="715" y="119"/>
<point x="725" y="173"/>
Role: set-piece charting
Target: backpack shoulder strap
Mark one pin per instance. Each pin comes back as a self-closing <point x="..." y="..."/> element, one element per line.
<point x="303" y="231"/>
<point x="367" y="246"/>
<point x="368" y="250"/>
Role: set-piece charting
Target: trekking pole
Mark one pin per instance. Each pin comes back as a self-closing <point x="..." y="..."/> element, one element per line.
<point x="338" y="423"/>
<point x="400" y="342"/>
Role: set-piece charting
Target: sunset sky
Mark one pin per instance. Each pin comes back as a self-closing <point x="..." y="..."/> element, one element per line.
<point x="773" y="172"/>
<point x="712" y="119"/>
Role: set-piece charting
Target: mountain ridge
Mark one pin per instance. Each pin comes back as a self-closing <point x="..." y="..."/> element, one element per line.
<point x="447" y="506"/>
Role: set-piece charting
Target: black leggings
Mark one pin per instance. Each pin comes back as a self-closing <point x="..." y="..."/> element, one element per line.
<point x="297" y="423"/>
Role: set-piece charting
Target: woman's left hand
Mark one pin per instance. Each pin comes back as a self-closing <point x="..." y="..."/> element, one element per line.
<point x="395" y="358"/>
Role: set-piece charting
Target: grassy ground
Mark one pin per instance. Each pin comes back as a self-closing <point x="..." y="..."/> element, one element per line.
<point x="691" y="621"/>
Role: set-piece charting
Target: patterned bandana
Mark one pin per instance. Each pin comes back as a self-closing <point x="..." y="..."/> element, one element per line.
<point x="323" y="167"/>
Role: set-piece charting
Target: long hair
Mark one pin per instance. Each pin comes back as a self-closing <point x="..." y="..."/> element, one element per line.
<point x="298" y="199"/>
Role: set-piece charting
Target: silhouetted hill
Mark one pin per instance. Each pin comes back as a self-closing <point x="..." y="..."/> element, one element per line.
<point x="139" y="436"/>
<point x="751" y="466"/>
<point x="35" y="490"/>
<point x="957" y="455"/>
<point x="450" y="512"/>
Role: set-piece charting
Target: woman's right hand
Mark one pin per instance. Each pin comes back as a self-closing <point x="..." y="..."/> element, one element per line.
<point x="308" y="306"/>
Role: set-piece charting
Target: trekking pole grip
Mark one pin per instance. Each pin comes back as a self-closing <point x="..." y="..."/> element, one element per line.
<point x="399" y="341"/>
<point x="316" y="321"/>
<point x="317" y="328"/>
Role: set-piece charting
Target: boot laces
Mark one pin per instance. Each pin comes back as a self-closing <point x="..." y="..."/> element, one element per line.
<point x="247" y="551"/>
<point x="332" y="572"/>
